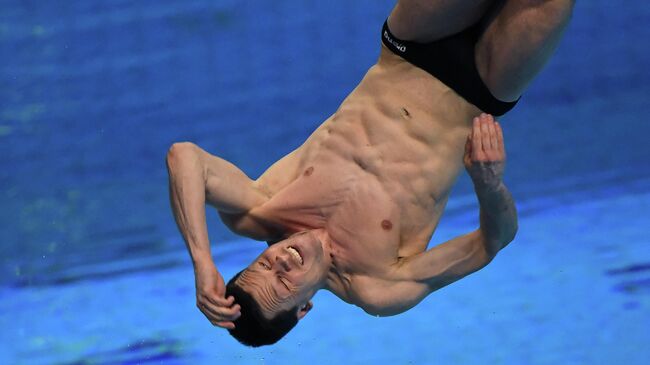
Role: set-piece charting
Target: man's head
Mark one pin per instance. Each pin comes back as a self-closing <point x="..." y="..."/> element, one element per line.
<point x="274" y="291"/>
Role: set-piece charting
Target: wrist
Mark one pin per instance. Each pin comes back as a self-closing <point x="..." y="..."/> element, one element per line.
<point x="486" y="174"/>
<point x="482" y="185"/>
<point x="202" y="260"/>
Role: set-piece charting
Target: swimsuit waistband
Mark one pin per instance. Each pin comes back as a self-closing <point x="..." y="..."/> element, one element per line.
<point x="450" y="60"/>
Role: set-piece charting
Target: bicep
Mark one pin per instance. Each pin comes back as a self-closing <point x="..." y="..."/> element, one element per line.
<point x="447" y="262"/>
<point x="388" y="297"/>
<point x="235" y="195"/>
<point x="419" y="275"/>
<point x="227" y="188"/>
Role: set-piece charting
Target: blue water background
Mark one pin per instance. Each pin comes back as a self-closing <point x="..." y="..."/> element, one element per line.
<point x="93" y="270"/>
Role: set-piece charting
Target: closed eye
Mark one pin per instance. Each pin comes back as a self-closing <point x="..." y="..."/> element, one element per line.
<point x="283" y="281"/>
<point x="264" y="265"/>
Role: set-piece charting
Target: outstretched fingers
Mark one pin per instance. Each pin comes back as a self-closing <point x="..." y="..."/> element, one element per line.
<point x="493" y="135"/>
<point x="491" y="138"/>
<point x="477" y="140"/>
<point x="487" y="161"/>
<point x="485" y="132"/>
<point x="499" y="137"/>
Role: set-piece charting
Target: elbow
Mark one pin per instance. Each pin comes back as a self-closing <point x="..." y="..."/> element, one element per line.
<point x="179" y="152"/>
<point x="510" y="235"/>
<point x="496" y="243"/>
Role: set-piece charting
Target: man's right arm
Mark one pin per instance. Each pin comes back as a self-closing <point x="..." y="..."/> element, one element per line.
<point x="196" y="177"/>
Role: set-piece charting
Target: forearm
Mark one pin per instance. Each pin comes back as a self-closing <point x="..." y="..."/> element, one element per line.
<point x="187" y="194"/>
<point x="498" y="215"/>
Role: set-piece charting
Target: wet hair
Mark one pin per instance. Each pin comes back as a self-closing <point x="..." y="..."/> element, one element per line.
<point x="252" y="328"/>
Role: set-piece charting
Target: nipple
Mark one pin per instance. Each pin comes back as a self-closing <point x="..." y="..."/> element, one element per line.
<point x="386" y="225"/>
<point x="309" y="171"/>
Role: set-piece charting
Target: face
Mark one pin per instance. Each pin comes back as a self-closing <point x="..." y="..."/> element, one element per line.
<point x="287" y="274"/>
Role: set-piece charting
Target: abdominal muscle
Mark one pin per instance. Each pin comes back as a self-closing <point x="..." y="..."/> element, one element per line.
<point x="378" y="172"/>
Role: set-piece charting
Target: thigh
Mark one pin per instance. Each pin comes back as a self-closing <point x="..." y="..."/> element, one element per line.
<point x="518" y="39"/>
<point x="429" y="20"/>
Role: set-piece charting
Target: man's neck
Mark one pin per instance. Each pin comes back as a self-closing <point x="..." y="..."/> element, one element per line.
<point x="337" y="280"/>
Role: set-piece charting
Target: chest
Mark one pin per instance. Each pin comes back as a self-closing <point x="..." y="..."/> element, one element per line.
<point x="355" y="209"/>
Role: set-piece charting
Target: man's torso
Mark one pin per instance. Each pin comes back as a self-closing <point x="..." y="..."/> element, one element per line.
<point x="377" y="174"/>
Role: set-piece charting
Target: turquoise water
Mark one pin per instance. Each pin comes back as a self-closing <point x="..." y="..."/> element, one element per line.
<point x="93" y="271"/>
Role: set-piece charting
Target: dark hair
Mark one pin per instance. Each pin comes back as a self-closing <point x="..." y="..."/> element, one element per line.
<point x="252" y="328"/>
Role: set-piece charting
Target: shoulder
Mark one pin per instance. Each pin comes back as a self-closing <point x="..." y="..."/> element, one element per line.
<point x="280" y="174"/>
<point x="289" y="167"/>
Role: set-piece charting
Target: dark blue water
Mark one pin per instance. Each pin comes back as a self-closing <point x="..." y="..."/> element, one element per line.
<point x="92" y="269"/>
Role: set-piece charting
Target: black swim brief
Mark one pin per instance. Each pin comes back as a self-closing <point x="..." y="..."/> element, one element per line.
<point x="450" y="60"/>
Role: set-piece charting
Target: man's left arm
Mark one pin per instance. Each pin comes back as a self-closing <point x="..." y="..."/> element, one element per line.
<point x="484" y="160"/>
<point x="417" y="276"/>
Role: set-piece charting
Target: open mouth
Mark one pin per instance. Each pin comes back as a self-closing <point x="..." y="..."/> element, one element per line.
<point x="296" y="254"/>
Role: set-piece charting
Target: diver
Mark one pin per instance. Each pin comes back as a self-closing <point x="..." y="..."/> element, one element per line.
<point x="353" y="209"/>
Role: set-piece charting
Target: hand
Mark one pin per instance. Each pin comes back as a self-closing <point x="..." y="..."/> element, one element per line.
<point x="485" y="154"/>
<point x="210" y="297"/>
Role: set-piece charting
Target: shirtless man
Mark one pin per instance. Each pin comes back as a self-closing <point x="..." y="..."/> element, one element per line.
<point x="353" y="209"/>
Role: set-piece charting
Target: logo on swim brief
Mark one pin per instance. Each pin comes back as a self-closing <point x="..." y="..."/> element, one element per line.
<point x="400" y="47"/>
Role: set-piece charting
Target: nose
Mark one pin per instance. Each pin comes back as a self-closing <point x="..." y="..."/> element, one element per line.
<point x="283" y="262"/>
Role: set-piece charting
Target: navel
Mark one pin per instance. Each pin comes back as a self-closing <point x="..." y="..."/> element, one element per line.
<point x="405" y="113"/>
<point x="309" y="171"/>
<point x="386" y="225"/>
